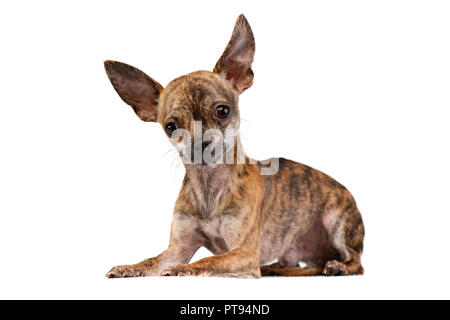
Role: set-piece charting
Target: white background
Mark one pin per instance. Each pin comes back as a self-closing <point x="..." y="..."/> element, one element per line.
<point x="357" y="89"/>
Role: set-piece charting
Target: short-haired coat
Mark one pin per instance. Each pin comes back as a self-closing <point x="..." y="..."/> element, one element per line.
<point x="244" y="218"/>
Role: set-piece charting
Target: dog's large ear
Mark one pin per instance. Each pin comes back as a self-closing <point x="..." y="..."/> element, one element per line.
<point x="236" y="61"/>
<point x="135" y="88"/>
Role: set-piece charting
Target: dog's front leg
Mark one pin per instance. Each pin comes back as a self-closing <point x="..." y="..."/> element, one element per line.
<point x="240" y="262"/>
<point x="152" y="266"/>
<point x="241" y="233"/>
<point x="183" y="245"/>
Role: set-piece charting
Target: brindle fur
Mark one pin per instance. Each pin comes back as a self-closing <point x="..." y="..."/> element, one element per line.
<point x="244" y="218"/>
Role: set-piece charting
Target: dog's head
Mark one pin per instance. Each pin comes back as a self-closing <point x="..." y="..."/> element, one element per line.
<point x="201" y="105"/>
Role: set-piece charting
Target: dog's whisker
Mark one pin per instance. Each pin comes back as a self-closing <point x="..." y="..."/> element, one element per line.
<point x="168" y="152"/>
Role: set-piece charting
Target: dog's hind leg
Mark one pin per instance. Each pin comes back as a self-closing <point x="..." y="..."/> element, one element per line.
<point x="337" y="268"/>
<point x="346" y="232"/>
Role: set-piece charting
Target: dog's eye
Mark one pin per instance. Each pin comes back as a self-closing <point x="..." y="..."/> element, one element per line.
<point x="170" y="128"/>
<point x="222" y="111"/>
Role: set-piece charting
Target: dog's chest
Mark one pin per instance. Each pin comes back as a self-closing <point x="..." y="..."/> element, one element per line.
<point x="211" y="235"/>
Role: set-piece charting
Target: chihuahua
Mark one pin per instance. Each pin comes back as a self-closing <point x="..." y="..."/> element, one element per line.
<point x="289" y="220"/>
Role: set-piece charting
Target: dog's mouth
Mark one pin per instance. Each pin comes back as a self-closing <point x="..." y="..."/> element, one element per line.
<point x="203" y="155"/>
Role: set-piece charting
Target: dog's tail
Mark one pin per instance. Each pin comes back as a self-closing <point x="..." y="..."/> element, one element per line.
<point x="269" y="271"/>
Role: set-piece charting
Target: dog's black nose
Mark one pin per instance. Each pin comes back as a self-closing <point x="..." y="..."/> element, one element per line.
<point x="205" y="144"/>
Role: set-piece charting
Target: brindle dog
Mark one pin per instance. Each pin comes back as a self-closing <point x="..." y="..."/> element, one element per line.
<point x="245" y="219"/>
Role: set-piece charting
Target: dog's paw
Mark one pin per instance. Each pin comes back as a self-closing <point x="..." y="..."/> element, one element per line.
<point x="182" y="270"/>
<point x="334" y="268"/>
<point x="125" y="271"/>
